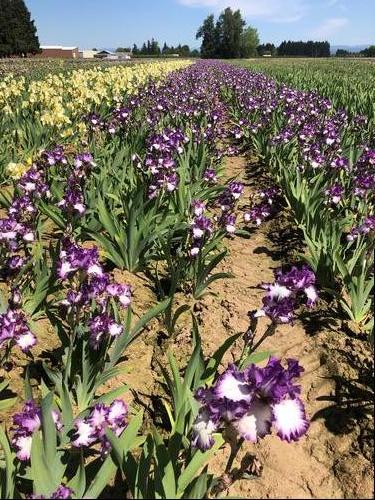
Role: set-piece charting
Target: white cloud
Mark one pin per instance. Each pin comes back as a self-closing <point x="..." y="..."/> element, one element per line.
<point x="329" y="28"/>
<point x="283" y="11"/>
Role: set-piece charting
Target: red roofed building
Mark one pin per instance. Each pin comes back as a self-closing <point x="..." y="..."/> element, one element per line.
<point x="58" y="52"/>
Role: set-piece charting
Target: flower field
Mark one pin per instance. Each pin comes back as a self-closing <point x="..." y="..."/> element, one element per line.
<point x="186" y="282"/>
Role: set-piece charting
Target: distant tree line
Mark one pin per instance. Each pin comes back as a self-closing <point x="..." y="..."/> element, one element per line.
<point x="267" y="49"/>
<point x="123" y="49"/>
<point x="227" y="37"/>
<point x="17" y="31"/>
<point x="304" y="49"/>
<point x="369" y="52"/>
<point x="152" y="48"/>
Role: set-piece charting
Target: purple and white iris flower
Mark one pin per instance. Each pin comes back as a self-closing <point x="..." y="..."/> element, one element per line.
<point x="14" y="329"/>
<point x="286" y="293"/>
<point x="62" y="492"/>
<point x="201" y="229"/>
<point x="334" y="194"/>
<point x="91" y="429"/>
<point x="87" y="431"/>
<point x="367" y="227"/>
<point x="25" y="423"/>
<point x="88" y="282"/>
<point x="252" y="402"/>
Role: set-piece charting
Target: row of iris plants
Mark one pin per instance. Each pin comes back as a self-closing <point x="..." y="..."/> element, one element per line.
<point x="36" y="113"/>
<point x="145" y="193"/>
<point x="324" y="162"/>
<point x="347" y="83"/>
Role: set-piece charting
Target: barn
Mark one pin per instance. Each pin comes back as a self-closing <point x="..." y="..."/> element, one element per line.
<point x="59" y="52"/>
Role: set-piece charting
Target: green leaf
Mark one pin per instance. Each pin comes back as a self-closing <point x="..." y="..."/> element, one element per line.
<point x="218" y="355"/>
<point x="111" y="395"/>
<point x="255" y="358"/>
<point x="27" y="386"/>
<point x="102" y="478"/>
<point x="200" y="486"/>
<point x="196" y="463"/>
<point x="124" y="340"/>
<point x="66" y="411"/>
<point x="152" y="313"/>
<point x="127" y="441"/>
<point x="78" y="482"/>
<point x="54" y="214"/>
<point x="44" y="482"/>
<point x="6" y="403"/>
<point x="109" y="249"/>
<point x="48" y="429"/>
<point x="7" y="489"/>
<point x="181" y="310"/>
<point x="165" y="479"/>
<point x="105" y="217"/>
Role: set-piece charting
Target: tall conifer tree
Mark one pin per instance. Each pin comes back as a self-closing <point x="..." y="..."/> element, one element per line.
<point x="207" y="33"/>
<point x="17" y="31"/>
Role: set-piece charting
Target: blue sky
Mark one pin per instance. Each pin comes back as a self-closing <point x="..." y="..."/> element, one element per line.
<point x="113" y="23"/>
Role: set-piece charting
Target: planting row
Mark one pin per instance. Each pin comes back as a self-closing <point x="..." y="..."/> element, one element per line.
<point x="324" y="162"/>
<point x="348" y="84"/>
<point x="37" y="113"/>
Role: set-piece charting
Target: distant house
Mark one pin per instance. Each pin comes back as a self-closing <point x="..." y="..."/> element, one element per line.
<point x="124" y="55"/>
<point x="267" y="55"/>
<point x="58" y="52"/>
<point x="88" y="54"/>
<point x="103" y="54"/>
<point x="113" y="56"/>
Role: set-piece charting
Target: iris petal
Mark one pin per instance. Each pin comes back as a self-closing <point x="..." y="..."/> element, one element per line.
<point x="290" y="419"/>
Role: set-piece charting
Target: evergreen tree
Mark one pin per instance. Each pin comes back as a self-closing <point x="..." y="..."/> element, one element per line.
<point x="207" y="33"/>
<point x="154" y="48"/>
<point x="267" y="48"/>
<point x="342" y="53"/>
<point x="184" y="51"/>
<point x="17" y="30"/>
<point x="222" y="39"/>
<point x="144" y="49"/>
<point x="135" y="50"/>
<point x="305" y="49"/>
<point x="369" y="52"/>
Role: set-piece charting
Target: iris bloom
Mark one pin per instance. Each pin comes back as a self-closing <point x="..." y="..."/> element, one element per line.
<point x="252" y="402"/>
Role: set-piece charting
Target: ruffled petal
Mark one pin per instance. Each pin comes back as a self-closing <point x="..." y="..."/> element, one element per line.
<point x="23" y="445"/>
<point x="312" y="295"/>
<point x="203" y="428"/>
<point x="256" y="423"/>
<point x="231" y="385"/>
<point x="290" y="419"/>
